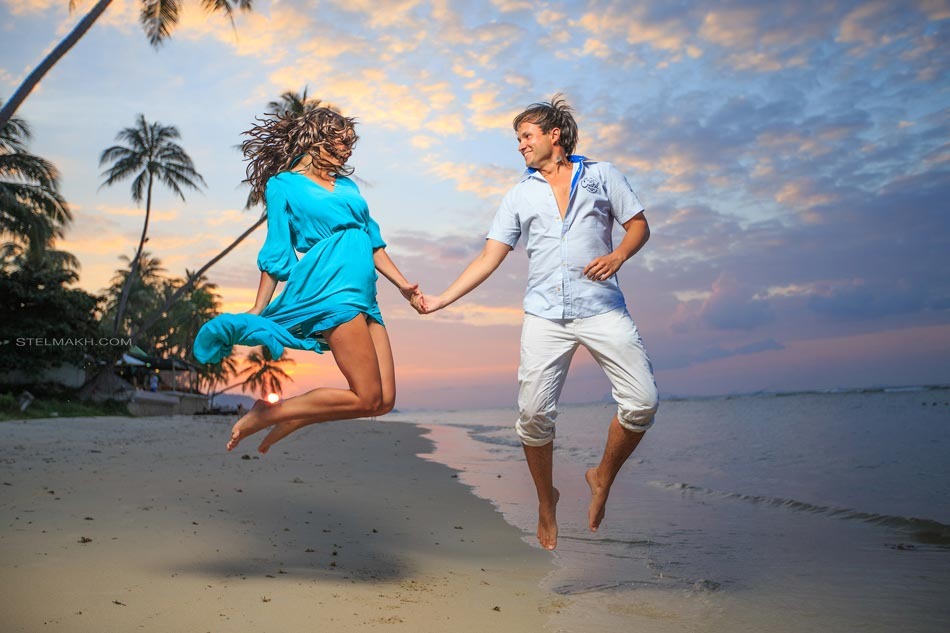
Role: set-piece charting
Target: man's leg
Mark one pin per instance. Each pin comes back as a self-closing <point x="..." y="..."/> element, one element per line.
<point x="620" y="445"/>
<point x="615" y="343"/>
<point x="546" y="351"/>
<point x="541" y="464"/>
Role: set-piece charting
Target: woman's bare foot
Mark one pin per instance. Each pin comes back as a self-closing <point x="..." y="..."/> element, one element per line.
<point x="250" y="424"/>
<point x="598" y="500"/>
<point x="547" y="523"/>
<point x="279" y="432"/>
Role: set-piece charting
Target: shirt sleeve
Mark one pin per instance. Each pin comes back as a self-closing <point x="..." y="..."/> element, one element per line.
<point x="506" y="227"/>
<point x="277" y="257"/>
<point x="624" y="203"/>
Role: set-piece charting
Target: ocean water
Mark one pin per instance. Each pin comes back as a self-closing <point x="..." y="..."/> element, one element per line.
<point x="806" y="512"/>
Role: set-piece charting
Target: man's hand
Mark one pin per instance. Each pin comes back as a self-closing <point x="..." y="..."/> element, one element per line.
<point x="427" y="304"/>
<point x="603" y="268"/>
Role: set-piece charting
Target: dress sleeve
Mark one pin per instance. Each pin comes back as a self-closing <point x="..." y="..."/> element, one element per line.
<point x="277" y="257"/>
<point x="372" y="229"/>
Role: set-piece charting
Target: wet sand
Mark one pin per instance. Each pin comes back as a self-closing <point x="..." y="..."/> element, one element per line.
<point x="148" y="524"/>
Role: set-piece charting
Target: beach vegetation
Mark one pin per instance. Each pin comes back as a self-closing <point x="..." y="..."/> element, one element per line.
<point x="36" y="300"/>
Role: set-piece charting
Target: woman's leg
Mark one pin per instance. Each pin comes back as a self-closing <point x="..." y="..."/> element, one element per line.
<point x="387" y="375"/>
<point x="354" y="348"/>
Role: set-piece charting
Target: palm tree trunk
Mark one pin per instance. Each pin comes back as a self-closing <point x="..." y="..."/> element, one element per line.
<point x="11" y="106"/>
<point x="155" y="316"/>
<point x="124" y="297"/>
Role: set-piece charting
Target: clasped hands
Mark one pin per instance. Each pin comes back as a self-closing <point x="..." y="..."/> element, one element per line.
<point x="423" y="304"/>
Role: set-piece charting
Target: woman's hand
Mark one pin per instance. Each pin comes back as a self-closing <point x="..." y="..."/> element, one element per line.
<point x="255" y="310"/>
<point x="409" y="291"/>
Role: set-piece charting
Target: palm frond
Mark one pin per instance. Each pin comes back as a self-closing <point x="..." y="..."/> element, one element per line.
<point x="159" y="18"/>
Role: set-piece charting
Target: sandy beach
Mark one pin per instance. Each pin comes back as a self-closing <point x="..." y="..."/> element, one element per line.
<point x="121" y="524"/>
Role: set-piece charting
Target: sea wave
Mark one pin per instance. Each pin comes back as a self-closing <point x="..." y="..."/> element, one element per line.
<point x="926" y="531"/>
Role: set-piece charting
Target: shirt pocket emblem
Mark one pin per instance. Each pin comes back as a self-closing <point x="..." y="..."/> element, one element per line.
<point x="590" y="184"/>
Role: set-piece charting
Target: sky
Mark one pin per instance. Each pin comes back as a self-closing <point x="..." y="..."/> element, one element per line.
<point x="793" y="158"/>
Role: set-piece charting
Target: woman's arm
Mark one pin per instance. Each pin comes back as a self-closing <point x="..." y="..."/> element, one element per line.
<point x="265" y="292"/>
<point x="386" y="266"/>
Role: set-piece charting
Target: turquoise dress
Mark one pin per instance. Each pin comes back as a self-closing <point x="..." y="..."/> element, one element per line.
<point x="333" y="282"/>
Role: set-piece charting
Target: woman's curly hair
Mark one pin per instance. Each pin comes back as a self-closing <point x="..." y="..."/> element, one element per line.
<point x="280" y="139"/>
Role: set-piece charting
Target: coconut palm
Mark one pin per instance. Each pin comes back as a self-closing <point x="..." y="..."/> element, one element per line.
<point x="157" y="17"/>
<point x="150" y="154"/>
<point x="293" y="103"/>
<point x="37" y="256"/>
<point x="263" y="374"/>
<point x="211" y="375"/>
<point x="174" y="335"/>
<point x="32" y="211"/>
<point x="142" y="289"/>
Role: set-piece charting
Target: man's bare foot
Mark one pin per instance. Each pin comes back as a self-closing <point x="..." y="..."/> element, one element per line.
<point x="547" y="523"/>
<point x="279" y="432"/>
<point x="250" y="424"/>
<point x="598" y="499"/>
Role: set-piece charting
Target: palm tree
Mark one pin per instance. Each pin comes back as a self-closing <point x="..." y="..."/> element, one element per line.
<point x="175" y="333"/>
<point x="263" y="373"/>
<point x="142" y="288"/>
<point x="158" y="18"/>
<point x="36" y="256"/>
<point x="211" y="375"/>
<point x="150" y="154"/>
<point x="294" y="103"/>
<point x="32" y="211"/>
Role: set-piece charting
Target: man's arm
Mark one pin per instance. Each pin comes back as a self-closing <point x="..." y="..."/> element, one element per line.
<point x="474" y="274"/>
<point x="637" y="234"/>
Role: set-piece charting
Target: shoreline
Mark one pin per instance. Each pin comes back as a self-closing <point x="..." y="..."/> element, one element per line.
<point x="341" y="523"/>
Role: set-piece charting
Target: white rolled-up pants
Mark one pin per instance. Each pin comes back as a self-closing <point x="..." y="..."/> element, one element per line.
<point x="547" y="347"/>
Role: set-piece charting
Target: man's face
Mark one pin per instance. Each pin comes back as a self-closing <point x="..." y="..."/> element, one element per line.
<point x="535" y="146"/>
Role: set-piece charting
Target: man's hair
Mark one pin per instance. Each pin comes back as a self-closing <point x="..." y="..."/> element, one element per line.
<point x="548" y="115"/>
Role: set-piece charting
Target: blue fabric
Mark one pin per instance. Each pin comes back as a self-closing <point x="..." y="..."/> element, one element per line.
<point x="333" y="282"/>
<point x="559" y="250"/>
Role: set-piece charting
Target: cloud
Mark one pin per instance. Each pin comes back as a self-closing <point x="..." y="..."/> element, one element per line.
<point x="719" y="352"/>
<point x="734" y="306"/>
<point x="394" y="13"/>
<point x="156" y="215"/>
<point x="26" y="7"/>
<point x="481" y="315"/>
<point x="861" y="300"/>
<point x="485" y="181"/>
